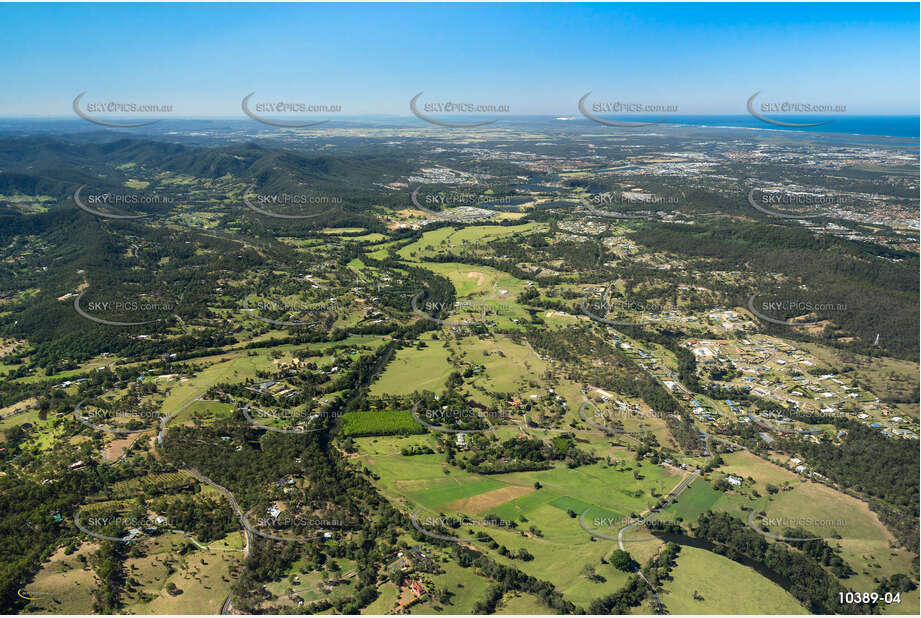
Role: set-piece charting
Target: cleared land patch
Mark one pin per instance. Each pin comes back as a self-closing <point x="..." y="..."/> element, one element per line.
<point x="451" y="491"/>
<point x="485" y="501"/>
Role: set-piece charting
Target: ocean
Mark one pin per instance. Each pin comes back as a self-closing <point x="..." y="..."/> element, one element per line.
<point x="898" y="127"/>
<point x="843" y="124"/>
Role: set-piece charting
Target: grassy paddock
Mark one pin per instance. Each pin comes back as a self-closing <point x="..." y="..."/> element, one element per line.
<point x="726" y="587"/>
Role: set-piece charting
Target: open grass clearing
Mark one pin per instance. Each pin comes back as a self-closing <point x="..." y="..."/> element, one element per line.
<point x="726" y="587"/>
<point x="415" y="370"/>
<point x="63" y="584"/>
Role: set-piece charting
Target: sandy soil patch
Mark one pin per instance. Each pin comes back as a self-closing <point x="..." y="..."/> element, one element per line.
<point x="8" y="346"/>
<point x="480" y="277"/>
<point x="115" y="448"/>
<point x="489" y="499"/>
<point x="20" y="406"/>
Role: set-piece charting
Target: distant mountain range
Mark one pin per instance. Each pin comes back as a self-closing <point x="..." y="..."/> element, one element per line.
<point x="53" y="167"/>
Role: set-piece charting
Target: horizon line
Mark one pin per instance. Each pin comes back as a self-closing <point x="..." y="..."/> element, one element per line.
<point x="559" y="115"/>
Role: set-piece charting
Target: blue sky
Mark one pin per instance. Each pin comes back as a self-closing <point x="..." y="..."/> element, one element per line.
<point x="536" y="58"/>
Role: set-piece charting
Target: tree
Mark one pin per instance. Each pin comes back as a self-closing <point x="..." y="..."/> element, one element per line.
<point x="525" y="555"/>
<point x="622" y="561"/>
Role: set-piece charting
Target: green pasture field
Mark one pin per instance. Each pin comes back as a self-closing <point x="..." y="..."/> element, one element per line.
<point x="16" y="420"/>
<point x="342" y="230"/>
<point x="701" y="497"/>
<point x="467" y="587"/>
<point x="380" y="422"/>
<point x="865" y="543"/>
<point x="582" y="483"/>
<point x="442" y="238"/>
<point x="415" y="370"/>
<point x="476" y="280"/>
<point x="237" y="365"/>
<point x="908" y="604"/>
<point x="561" y="552"/>
<point x="744" y="465"/>
<point x="508" y="366"/>
<point x="727" y="587"/>
<point x="90" y="365"/>
<point x="381" y="251"/>
<point x="477" y="286"/>
<point x="388" y="594"/>
<point x="522" y="604"/>
<point x="43" y="432"/>
<point x="204" y="411"/>
<point x="563" y="548"/>
<point x="373" y="237"/>
<point x="451" y="489"/>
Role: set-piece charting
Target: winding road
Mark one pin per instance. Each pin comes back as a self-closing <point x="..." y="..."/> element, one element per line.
<point x="671" y="498"/>
<point x="166" y="419"/>
<point x="247" y="536"/>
